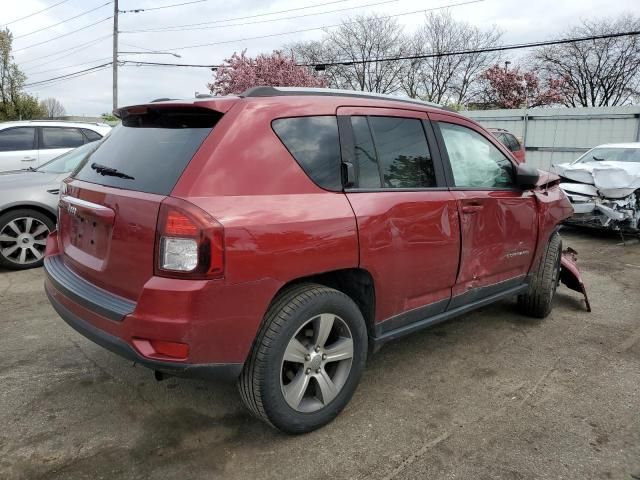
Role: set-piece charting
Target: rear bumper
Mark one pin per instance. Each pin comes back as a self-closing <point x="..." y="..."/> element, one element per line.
<point x="219" y="371"/>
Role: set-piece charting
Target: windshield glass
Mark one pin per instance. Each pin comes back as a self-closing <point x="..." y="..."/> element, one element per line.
<point x="611" y="154"/>
<point x="66" y="162"/>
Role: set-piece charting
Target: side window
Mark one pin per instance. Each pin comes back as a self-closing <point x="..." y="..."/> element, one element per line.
<point x="399" y="152"/>
<point x="512" y="142"/>
<point x="16" y="139"/>
<point x="91" y="135"/>
<point x="475" y="161"/>
<point x="60" y="137"/>
<point x="365" y="154"/>
<point x="314" y="143"/>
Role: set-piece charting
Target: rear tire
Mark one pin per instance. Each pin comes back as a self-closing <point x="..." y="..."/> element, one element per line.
<point x="23" y="238"/>
<point x="538" y="299"/>
<point x="307" y="359"/>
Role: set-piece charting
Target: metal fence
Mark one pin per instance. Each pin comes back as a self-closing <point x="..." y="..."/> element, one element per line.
<point x="557" y="135"/>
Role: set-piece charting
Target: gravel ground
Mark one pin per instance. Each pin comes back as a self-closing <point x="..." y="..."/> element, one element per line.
<point x="492" y="395"/>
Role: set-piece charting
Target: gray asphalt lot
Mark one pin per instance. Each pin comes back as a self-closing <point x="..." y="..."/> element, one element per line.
<point x="492" y="395"/>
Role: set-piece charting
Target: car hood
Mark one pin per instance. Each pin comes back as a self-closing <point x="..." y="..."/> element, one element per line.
<point x="612" y="179"/>
<point x="25" y="178"/>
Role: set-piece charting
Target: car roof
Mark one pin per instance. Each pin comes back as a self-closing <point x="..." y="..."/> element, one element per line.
<point x="620" y="145"/>
<point x="53" y="123"/>
<point x="329" y="92"/>
<point x="297" y="95"/>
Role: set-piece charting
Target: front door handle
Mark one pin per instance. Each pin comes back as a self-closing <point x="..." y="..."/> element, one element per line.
<point x="29" y="159"/>
<point x="471" y="209"/>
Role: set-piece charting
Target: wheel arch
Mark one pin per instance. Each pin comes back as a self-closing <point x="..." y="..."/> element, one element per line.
<point x="45" y="210"/>
<point x="356" y="283"/>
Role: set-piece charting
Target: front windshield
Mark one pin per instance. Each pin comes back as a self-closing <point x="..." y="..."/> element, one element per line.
<point x="611" y="154"/>
<point x="66" y="162"/>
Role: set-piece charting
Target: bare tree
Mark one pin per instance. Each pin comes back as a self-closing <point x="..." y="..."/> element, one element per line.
<point x="52" y="108"/>
<point x="442" y="77"/>
<point x="597" y="72"/>
<point x="355" y="43"/>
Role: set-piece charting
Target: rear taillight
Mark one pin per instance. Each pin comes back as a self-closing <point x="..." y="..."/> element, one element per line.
<point x="189" y="242"/>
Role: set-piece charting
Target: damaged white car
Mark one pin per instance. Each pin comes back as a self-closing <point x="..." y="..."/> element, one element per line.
<point x="603" y="186"/>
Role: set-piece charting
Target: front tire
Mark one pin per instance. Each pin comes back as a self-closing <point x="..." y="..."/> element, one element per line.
<point x="307" y="359"/>
<point x="538" y="299"/>
<point x="23" y="238"/>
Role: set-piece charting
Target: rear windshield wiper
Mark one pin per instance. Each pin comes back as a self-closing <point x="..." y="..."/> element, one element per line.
<point x="111" y="172"/>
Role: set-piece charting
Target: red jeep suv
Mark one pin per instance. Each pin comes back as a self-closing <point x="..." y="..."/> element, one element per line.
<point x="278" y="237"/>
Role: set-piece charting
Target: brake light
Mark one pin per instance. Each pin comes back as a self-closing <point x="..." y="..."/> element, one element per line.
<point x="178" y="225"/>
<point x="189" y="242"/>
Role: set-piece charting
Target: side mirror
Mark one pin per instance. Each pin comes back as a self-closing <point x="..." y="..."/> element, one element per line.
<point x="527" y="176"/>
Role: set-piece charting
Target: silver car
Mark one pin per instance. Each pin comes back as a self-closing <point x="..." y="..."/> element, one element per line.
<point x="28" y="208"/>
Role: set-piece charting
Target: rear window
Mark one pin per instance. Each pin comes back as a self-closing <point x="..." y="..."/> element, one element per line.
<point x="150" y="149"/>
<point x="315" y="144"/>
<point x="91" y="135"/>
<point x="512" y="142"/>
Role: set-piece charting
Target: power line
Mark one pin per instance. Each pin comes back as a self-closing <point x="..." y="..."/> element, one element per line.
<point x="254" y="16"/>
<point x="35" y="13"/>
<point x="499" y="48"/>
<point x="68" y="66"/>
<point x="63" y="21"/>
<point x="135" y="46"/>
<point x="63" y="35"/>
<point x="139" y="10"/>
<point x="317" y="28"/>
<point x="67" y="75"/>
<point x="57" y="82"/>
<point x="413" y="57"/>
<point x="168" y="29"/>
<point x="54" y="56"/>
<point x="160" y="64"/>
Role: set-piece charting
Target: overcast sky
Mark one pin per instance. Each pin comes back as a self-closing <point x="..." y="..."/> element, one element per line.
<point x="42" y="57"/>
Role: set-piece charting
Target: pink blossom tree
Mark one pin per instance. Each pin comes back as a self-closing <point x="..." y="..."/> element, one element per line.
<point x="511" y="88"/>
<point x="276" y="70"/>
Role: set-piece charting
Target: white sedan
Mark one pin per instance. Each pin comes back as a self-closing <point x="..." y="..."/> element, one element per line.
<point x="603" y="186"/>
<point x="29" y="144"/>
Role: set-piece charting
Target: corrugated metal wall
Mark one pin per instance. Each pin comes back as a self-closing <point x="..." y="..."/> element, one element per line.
<point x="557" y="135"/>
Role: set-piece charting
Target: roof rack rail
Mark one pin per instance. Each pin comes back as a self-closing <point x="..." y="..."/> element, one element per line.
<point x="53" y="120"/>
<point x="293" y="91"/>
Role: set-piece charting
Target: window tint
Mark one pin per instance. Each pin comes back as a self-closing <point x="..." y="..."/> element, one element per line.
<point x="511" y="142"/>
<point x="151" y="149"/>
<point x="403" y="153"/>
<point x="59" y="137"/>
<point x="20" y="138"/>
<point x="475" y="161"/>
<point x="314" y="143"/>
<point x="91" y="135"/>
<point x="365" y="154"/>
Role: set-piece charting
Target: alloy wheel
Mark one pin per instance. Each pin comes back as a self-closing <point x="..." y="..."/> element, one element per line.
<point x="316" y="363"/>
<point x="23" y="240"/>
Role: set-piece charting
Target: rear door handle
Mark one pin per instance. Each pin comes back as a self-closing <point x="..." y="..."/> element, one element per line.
<point x="29" y="159"/>
<point x="470" y="209"/>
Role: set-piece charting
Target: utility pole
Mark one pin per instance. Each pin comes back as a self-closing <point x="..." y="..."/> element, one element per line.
<point x="115" y="54"/>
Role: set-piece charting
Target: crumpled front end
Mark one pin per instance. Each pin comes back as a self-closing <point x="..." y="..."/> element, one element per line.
<point x="619" y="214"/>
<point x="605" y="195"/>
